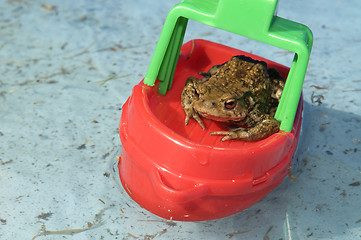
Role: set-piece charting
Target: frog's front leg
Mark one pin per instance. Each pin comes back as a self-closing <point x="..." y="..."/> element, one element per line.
<point x="189" y="93"/>
<point x="261" y="131"/>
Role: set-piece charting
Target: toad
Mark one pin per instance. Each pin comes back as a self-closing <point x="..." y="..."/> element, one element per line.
<point x="241" y="91"/>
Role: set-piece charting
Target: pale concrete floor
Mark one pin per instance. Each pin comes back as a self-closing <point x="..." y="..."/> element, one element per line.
<point x="59" y="117"/>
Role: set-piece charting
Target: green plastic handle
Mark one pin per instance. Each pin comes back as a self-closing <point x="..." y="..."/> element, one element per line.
<point x="255" y="19"/>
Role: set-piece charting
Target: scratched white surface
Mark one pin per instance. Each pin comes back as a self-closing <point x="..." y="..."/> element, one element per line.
<point x="58" y="122"/>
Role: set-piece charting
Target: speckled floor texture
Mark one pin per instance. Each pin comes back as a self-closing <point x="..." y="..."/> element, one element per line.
<point x="66" y="69"/>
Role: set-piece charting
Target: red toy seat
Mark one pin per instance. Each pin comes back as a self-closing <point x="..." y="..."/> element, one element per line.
<point x="181" y="172"/>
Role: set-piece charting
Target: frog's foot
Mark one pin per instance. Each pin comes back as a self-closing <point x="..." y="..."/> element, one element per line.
<point x="278" y="83"/>
<point x="239" y="134"/>
<point x="261" y="131"/>
<point x="191" y="113"/>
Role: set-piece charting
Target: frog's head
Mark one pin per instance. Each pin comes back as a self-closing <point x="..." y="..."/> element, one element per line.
<point x="220" y="105"/>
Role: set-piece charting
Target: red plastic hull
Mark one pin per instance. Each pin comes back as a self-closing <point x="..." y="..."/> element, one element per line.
<point x="181" y="172"/>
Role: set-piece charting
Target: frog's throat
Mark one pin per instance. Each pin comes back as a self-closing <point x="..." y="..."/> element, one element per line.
<point x="221" y="118"/>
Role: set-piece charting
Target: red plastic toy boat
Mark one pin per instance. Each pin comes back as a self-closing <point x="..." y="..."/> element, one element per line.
<point x="181" y="172"/>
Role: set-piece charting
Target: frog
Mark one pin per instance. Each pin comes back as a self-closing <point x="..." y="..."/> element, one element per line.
<point x="242" y="92"/>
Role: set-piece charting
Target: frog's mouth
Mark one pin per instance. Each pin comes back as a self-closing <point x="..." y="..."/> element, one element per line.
<point x="222" y="118"/>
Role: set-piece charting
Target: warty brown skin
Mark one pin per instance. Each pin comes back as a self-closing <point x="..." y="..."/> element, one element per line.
<point x="241" y="91"/>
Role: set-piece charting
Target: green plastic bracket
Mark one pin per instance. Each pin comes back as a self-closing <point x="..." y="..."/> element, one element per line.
<point x="255" y="19"/>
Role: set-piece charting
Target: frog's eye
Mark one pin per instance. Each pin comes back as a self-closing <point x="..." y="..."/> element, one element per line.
<point x="230" y="103"/>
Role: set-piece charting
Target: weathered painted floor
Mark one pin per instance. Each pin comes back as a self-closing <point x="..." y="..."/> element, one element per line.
<point x="66" y="68"/>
